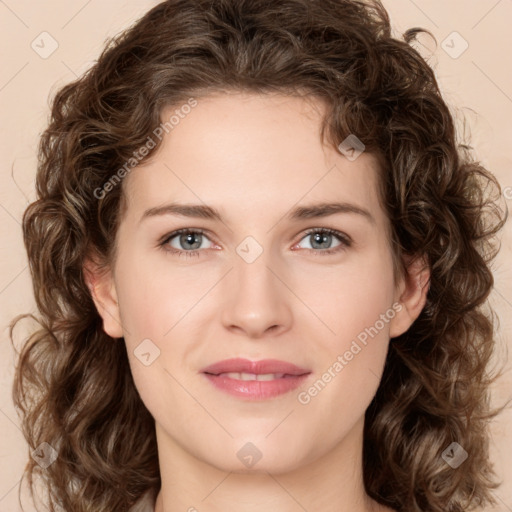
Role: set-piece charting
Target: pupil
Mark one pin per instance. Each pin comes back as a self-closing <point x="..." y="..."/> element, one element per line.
<point x="189" y="239"/>
<point x="318" y="239"/>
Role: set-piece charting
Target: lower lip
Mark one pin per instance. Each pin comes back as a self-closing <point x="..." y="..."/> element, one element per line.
<point x="256" y="389"/>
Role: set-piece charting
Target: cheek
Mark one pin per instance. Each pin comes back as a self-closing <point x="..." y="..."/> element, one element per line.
<point x="156" y="309"/>
<point x="153" y="298"/>
<point x="352" y="297"/>
<point x="162" y="316"/>
<point x="357" y="305"/>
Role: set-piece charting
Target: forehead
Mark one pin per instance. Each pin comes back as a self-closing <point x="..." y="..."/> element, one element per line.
<point x="252" y="153"/>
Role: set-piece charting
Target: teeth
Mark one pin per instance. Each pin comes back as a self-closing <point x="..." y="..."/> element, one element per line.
<point x="252" y="376"/>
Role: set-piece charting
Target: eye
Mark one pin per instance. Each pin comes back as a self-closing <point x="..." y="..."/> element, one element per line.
<point x="322" y="238"/>
<point x="190" y="240"/>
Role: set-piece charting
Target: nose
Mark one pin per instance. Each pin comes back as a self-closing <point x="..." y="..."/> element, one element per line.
<point x="258" y="300"/>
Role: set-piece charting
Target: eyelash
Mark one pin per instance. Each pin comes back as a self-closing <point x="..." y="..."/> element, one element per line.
<point x="344" y="239"/>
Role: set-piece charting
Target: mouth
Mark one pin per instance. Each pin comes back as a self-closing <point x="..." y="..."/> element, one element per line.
<point x="252" y="376"/>
<point x="255" y="380"/>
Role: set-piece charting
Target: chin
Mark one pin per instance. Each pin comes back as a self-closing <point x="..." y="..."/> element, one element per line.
<point x="260" y="456"/>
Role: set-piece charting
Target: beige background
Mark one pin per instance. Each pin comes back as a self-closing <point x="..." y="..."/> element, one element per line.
<point x="478" y="83"/>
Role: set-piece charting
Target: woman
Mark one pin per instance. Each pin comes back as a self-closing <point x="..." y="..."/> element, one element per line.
<point x="321" y="345"/>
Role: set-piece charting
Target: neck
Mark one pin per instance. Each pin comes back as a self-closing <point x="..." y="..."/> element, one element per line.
<point x="331" y="483"/>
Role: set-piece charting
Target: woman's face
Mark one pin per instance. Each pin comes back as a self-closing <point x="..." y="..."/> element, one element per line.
<point x="257" y="285"/>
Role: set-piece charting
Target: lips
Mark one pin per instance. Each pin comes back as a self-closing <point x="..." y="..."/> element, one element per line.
<point x="265" y="366"/>
<point x="255" y="380"/>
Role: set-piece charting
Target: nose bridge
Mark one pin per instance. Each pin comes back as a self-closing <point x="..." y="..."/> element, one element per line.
<point x="254" y="275"/>
<point x="258" y="298"/>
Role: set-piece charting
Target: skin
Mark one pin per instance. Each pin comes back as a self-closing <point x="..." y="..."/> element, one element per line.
<point x="255" y="158"/>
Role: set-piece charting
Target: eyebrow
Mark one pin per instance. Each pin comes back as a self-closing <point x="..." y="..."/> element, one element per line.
<point x="299" y="213"/>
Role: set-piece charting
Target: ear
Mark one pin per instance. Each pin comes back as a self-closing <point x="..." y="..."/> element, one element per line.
<point x="101" y="284"/>
<point x="411" y="293"/>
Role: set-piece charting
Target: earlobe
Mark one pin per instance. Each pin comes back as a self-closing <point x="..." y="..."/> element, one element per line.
<point x="412" y="293"/>
<point x="103" y="292"/>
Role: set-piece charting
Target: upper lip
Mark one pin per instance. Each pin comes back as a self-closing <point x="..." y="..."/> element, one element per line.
<point x="239" y="365"/>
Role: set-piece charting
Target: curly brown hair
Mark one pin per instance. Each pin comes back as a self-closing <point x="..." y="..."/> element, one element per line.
<point x="73" y="386"/>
